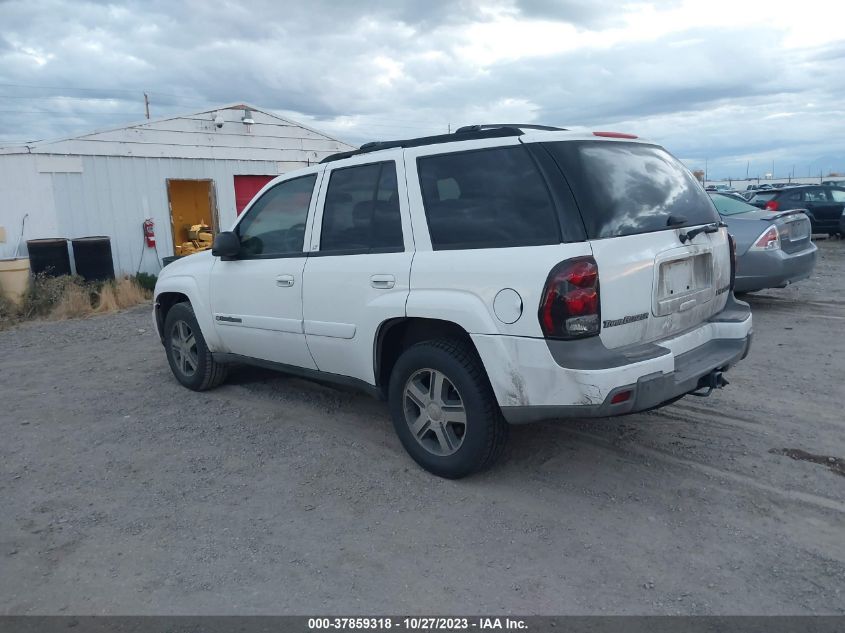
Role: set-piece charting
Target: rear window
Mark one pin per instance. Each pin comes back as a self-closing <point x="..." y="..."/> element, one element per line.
<point x="728" y="205"/>
<point x="630" y="188"/>
<point x="489" y="198"/>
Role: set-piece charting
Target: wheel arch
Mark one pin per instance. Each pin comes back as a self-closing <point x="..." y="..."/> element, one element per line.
<point x="180" y="289"/>
<point x="396" y="335"/>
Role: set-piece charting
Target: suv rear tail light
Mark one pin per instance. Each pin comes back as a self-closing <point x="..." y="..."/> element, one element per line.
<point x="569" y="307"/>
<point x="768" y="241"/>
<point x="772" y="205"/>
<point x="732" y="246"/>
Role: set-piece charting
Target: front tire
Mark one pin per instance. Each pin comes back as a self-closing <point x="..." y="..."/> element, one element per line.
<point x="444" y="410"/>
<point x="187" y="353"/>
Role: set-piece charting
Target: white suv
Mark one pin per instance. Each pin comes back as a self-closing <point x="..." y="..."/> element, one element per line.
<point x="494" y="276"/>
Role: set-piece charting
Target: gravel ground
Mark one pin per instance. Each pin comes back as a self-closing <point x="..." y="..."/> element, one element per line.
<point x="123" y="493"/>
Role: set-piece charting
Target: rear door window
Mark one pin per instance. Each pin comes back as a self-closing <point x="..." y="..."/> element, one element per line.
<point x="489" y="198"/>
<point x="361" y="213"/>
<point x="630" y="188"/>
<point x="838" y="195"/>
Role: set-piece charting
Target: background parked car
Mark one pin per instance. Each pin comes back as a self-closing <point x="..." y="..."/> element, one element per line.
<point x="823" y="205"/>
<point x="772" y="249"/>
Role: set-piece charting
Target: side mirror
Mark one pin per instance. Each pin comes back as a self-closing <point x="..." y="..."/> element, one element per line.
<point x="226" y="245"/>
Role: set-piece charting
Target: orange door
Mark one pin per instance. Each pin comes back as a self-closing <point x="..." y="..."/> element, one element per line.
<point x="191" y="202"/>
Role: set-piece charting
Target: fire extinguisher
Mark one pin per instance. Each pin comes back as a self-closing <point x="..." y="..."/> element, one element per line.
<point x="149" y="233"/>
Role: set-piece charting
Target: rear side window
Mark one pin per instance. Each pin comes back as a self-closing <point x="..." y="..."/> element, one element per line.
<point x="838" y="195"/>
<point x="275" y="224"/>
<point x="630" y="188"/>
<point x="815" y="195"/>
<point x="490" y="198"/>
<point x="765" y="197"/>
<point x="361" y="212"/>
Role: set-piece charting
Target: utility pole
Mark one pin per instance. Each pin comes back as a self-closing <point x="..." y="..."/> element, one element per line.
<point x="147" y="105"/>
<point x="747" y="165"/>
<point x="449" y="127"/>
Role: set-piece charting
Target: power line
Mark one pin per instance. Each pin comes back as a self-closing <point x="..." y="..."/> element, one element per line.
<point x="86" y="89"/>
<point x="71" y="114"/>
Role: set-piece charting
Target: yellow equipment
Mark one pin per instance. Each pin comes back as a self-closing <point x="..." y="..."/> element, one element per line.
<point x="201" y="238"/>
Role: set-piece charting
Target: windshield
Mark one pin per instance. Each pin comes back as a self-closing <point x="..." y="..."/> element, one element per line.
<point x="630" y="188"/>
<point x="728" y="205"/>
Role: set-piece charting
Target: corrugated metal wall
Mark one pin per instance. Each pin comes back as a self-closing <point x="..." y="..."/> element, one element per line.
<point x="108" y="182"/>
<point x="24" y="190"/>
<point x="113" y="196"/>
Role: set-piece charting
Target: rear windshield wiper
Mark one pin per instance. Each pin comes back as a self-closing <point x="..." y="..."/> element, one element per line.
<point x="707" y="228"/>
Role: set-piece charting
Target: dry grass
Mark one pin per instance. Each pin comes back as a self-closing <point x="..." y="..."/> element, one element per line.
<point x="10" y="313"/>
<point x="67" y="297"/>
<point x="74" y="303"/>
<point x="119" y="295"/>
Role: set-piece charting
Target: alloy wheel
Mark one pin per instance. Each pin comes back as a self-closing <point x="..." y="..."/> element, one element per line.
<point x="183" y="346"/>
<point x="435" y="412"/>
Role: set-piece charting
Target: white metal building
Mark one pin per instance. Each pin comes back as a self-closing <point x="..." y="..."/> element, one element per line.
<point x="177" y="170"/>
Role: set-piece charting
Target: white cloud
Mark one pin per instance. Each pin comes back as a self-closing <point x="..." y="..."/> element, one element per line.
<point x="724" y="80"/>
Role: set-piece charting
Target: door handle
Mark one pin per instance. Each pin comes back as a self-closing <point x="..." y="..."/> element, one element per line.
<point x="284" y="281"/>
<point x="382" y="281"/>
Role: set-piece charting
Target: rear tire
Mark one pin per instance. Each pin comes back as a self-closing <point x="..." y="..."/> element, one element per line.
<point x="444" y="410"/>
<point x="187" y="353"/>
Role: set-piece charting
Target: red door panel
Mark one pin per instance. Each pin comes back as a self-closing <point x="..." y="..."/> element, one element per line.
<point x="245" y="189"/>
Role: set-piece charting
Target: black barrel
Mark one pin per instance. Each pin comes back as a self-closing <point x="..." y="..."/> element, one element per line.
<point x="93" y="259"/>
<point x="169" y="260"/>
<point x="49" y="256"/>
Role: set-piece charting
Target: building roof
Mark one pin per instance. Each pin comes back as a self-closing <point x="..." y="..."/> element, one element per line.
<point x="197" y="135"/>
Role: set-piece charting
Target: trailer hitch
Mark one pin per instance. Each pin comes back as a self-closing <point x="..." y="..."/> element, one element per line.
<point x="714" y="380"/>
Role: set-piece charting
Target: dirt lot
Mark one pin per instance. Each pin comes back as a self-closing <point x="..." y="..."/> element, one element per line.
<point x="123" y="493"/>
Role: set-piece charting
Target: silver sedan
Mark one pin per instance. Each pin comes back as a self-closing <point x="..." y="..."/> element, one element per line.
<point x="772" y="249"/>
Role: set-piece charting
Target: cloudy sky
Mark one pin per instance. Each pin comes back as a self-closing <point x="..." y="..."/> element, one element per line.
<point x="726" y="82"/>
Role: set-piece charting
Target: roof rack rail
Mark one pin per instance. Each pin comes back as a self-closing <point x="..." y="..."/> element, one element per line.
<point x="467" y="133"/>
<point x="521" y="126"/>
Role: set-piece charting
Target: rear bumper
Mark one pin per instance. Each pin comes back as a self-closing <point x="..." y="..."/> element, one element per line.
<point x="757" y="270"/>
<point x="534" y="385"/>
<point x="651" y="390"/>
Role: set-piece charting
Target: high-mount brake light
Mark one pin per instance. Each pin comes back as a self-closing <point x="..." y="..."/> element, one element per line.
<point x="615" y="135"/>
<point x="570" y="305"/>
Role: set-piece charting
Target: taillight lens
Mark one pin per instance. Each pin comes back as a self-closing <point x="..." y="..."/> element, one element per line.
<point x="768" y="241"/>
<point x="570" y="304"/>
<point x="772" y="205"/>
<point x="732" y="246"/>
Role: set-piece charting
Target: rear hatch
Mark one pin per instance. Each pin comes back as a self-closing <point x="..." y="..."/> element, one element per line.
<point x="637" y="202"/>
